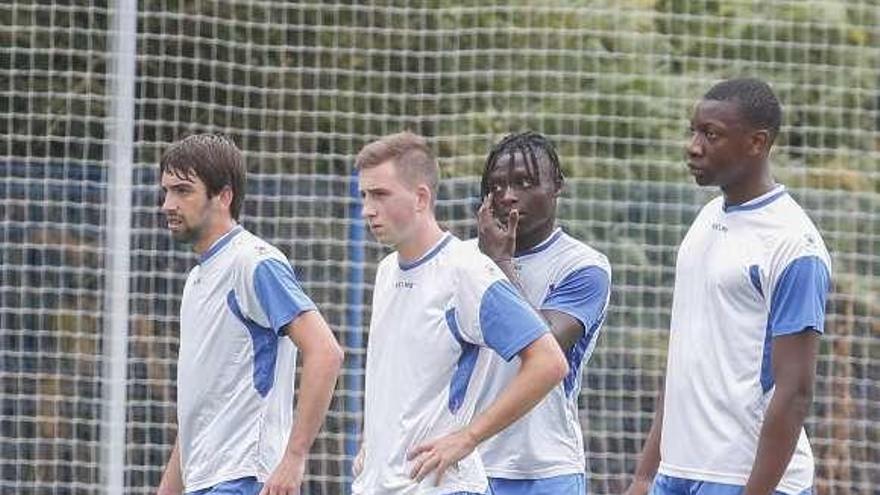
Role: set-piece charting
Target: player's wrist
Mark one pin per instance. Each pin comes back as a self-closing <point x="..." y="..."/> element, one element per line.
<point x="295" y="454"/>
<point x="472" y="437"/>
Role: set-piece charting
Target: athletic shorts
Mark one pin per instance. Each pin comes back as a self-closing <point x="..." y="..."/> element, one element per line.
<point x="241" y="486"/>
<point x="566" y="484"/>
<point x="668" y="485"/>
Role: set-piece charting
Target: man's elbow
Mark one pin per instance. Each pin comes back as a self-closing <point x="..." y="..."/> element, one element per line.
<point x="336" y="356"/>
<point x="802" y="400"/>
<point x="557" y="366"/>
<point x="798" y="397"/>
<point x="328" y="356"/>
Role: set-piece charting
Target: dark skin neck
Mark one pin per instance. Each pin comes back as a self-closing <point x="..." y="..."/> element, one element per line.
<point x="528" y="240"/>
<point x="751" y="186"/>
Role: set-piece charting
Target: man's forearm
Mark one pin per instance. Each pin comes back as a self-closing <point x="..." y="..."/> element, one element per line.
<point x="542" y="370"/>
<point x="318" y="379"/>
<point x="649" y="460"/>
<point x="779" y="436"/>
<point x="172" y="478"/>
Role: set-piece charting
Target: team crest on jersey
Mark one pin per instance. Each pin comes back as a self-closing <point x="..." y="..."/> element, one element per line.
<point x="810" y="240"/>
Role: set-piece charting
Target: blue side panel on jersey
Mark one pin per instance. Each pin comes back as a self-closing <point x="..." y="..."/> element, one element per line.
<point x="265" y="343"/>
<point x="279" y="293"/>
<point x="466" y="363"/>
<point x="507" y="321"/>
<point x="767" y="379"/>
<point x="575" y="357"/>
<point x="798" y="304"/>
<point x="581" y="294"/>
<point x="799" y="297"/>
<point x="755" y="277"/>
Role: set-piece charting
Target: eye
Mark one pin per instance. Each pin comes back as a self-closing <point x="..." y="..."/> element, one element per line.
<point x="524" y="183"/>
<point x="496" y="187"/>
<point x="711" y="135"/>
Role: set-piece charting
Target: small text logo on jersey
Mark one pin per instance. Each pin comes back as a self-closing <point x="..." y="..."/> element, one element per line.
<point x="403" y="284"/>
<point x="719" y="227"/>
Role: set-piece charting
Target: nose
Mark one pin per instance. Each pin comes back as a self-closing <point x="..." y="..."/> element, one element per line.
<point x="694" y="146"/>
<point x="167" y="203"/>
<point x="367" y="210"/>
<point x="507" y="196"/>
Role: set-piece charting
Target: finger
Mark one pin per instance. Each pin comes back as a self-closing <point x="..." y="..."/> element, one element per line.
<point x="417" y="464"/>
<point x="427" y="467"/>
<point x="485" y="211"/>
<point x="441" y="468"/>
<point x="512" y="221"/>
<point x="418" y="450"/>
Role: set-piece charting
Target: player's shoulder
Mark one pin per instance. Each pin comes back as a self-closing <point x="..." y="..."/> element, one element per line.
<point x="464" y="262"/>
<point x="251" y="250"/>
<point x="387" y="262"/>
<point x="790" y="221"/>
<point x="580" y="254"/>
<point x="465" y="254"/>
<point x="792" y="234"/>
<point x="712" y="207"/>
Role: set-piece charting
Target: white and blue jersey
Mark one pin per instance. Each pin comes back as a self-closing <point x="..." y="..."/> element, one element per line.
<point x="236" y="368"/>
<point x="745" y="274"/>
<point x="560" y="274"/>
<point x="430" y="318"/>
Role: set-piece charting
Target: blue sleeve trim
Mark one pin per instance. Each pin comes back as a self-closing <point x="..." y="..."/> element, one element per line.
<point x="799" y="297"/>
<point x="582" y="294"/>
<point x="279" y="293"/>
<point x="507" y="321"/>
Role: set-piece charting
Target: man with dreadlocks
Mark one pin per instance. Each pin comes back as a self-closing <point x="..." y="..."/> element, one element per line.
<point x="243" y="316"/>
<point x="568" y="282"/>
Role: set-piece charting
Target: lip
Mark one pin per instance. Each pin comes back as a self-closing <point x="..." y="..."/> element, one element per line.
<point x="696" y="169"/>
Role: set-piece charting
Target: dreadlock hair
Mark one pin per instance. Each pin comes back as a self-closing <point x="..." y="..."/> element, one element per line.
<point x="531" y="145"/>
<point x="214" y="159"/>
<point x="756" y="101"/>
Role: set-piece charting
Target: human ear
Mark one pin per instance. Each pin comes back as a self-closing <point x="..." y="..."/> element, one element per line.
<point x="424" y="197"/>
<point x="759" y="143"/>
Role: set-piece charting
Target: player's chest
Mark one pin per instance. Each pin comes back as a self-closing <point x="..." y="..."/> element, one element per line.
<point x="414" y="313"/>
<point x="206" y="295"/>
<point x="720" y="255"/>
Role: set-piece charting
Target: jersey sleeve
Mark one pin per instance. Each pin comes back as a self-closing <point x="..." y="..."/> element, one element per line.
<point x="581" y="294"/>
<point x="490" y="311"/>
<point x="800" y="280"/>
<point x="269" y="293"/>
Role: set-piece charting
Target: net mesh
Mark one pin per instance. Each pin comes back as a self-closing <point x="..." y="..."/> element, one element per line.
<point x="301" y="86"/>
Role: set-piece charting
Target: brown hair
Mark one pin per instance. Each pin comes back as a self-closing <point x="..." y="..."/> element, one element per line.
<point x="410" y="154"/>
<point x="214" y="159"/>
